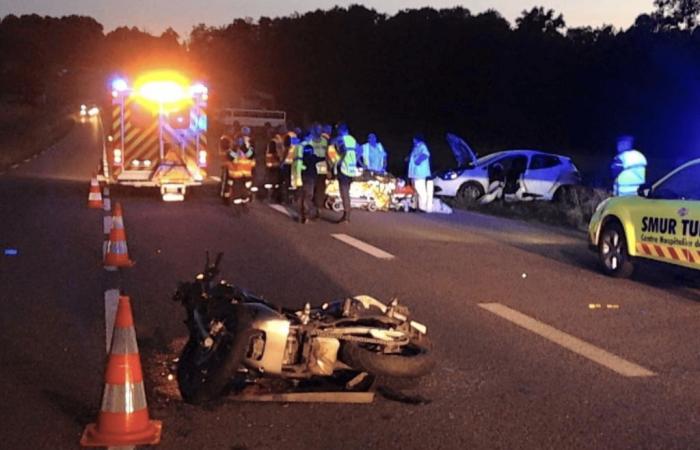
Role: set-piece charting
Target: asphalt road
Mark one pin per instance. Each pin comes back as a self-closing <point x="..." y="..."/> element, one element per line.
<point x="497" y="385"/>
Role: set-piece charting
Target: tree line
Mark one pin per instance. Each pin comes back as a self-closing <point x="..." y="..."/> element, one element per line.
<point x="535" y="83"/>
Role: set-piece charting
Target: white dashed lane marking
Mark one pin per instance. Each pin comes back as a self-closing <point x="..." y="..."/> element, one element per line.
<point x="217" y="179"/>
<point x="283" y="210"/>
<point x="363" y="246"/>
<point x="569" y="342"/>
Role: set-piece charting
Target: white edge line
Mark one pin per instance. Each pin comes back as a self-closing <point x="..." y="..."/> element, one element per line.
<point x="14" y="166"/>
<point x="111" y="303"/>
<point x="363" y="246"/>
<point x="569" y="342"/>
<point x="106" y="224"/>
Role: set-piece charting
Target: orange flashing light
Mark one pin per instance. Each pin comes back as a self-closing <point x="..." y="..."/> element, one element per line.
<point x="163" y="90"/>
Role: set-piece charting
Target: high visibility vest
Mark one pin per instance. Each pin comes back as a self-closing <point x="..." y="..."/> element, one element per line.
<point x="321" y="150"/>
<point x="297" y="165"/>
<point x="632" y="165"/>
<point x="272" y="158"/>
<point x="348" y="165"/>
<point x="241" y="167"/>
<point x="332" y="155"/>
<point x="288" y="157"/>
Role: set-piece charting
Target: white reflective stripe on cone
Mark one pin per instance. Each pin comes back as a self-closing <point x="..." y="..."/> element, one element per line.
<point x="115" y="398"/>
<point x="95" y="196"/>
<point x="124" y="341"/>
<point x="118" y="221"/>
<point x="118" y="247"/>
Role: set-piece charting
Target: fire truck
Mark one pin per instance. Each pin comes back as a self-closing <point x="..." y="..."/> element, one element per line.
<point x="157" y="135"/>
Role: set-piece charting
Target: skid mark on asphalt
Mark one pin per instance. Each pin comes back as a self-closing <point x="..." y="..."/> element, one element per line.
<point x="363" y="246"/>
<point x="569" y="342"/>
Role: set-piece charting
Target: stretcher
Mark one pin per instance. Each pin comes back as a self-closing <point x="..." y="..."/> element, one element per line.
<point x="373" y="192"/>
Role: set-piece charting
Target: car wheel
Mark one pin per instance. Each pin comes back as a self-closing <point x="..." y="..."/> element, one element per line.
<point x="612" y="251"/>
<point x="469" y="193"/>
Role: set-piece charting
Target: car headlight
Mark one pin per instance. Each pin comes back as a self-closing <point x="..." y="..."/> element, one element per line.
<point x="450" y="175"/>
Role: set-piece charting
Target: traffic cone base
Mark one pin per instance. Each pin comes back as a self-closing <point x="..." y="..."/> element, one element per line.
<point x="123" y="419"/>
<point x="94" y="437"/>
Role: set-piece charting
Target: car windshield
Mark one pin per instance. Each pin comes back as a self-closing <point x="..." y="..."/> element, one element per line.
<point x="682" y="185"/>
<point x="489" y="158"/>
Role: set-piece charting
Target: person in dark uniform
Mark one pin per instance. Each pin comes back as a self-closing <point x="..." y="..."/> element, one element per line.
<point x="309" y="177"/>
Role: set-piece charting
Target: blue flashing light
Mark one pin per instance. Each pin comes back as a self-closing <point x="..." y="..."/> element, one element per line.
<point x="119" y="85"/>
<point x="11" y="252"/>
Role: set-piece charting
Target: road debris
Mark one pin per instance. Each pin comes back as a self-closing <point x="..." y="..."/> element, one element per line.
<point x="599" y="306"/>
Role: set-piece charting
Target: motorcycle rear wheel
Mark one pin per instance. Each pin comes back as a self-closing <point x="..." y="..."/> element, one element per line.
<point x="415" y="360"/>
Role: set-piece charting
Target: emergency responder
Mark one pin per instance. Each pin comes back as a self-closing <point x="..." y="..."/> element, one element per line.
<point x="247" y="149"/>
<point x="346" y="168"/>
<point x="419" y="173"/>
<point x="225" y="147"/>
<point x="273" y="154"/>
<point x="286" y="160"/>
<point x="320" y="146"/>
<point x="628" y="168"/>
<point x="373" y="155"/>
<point x="308" y="161"/>
<point x="240" y="171"/>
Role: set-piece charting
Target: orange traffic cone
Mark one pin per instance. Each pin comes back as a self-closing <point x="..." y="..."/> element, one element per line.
<point x="95" y="196"/>
<point x="123" y="418"/>
<point x="117" y="254"/>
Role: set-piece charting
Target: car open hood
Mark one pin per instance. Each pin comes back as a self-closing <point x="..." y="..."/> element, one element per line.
<point x="463" y="152"/>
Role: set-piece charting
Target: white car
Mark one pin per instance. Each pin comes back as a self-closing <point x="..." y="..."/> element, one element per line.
<point x="536" y="174"/>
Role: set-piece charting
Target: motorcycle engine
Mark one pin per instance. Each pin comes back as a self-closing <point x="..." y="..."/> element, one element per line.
<point x="324" y="354"/>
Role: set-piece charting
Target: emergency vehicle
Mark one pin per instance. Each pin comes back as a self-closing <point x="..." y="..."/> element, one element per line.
<point x="157" y="133"/>
<point x="662" y="224"/>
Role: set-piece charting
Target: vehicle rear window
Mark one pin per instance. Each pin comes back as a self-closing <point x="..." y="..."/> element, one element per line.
<point x="544" y="162"/>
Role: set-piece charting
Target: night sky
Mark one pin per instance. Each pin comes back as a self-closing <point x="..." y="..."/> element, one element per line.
<point x="156" y="15"/>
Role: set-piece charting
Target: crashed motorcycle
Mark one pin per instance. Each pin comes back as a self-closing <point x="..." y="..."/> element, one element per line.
<point x="237" y="339"/>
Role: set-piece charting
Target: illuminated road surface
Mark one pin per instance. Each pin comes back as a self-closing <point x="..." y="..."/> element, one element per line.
<point x="498" y="384"/>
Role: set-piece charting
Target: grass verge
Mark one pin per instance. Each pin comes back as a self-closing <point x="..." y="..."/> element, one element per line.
<point x="25" y="130"/>
<point x="573" y="209"/>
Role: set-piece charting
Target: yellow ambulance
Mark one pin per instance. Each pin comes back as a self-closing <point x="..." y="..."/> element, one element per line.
<point x="662" y="223"/>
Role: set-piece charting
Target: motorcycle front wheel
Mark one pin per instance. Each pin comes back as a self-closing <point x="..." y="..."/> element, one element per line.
<point x="416" y="359"/>
<point x="204" y="373"/>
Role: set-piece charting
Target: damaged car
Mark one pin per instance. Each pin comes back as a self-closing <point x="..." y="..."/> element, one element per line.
<point x="519" y="174"/>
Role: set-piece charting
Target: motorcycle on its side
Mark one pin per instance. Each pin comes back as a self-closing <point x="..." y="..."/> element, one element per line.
<point x="237" y="338"/>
